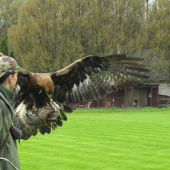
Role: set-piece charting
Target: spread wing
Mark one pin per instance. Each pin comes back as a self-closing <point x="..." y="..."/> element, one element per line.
<point x="94" y="77"/>
<point x="89" y="78"/>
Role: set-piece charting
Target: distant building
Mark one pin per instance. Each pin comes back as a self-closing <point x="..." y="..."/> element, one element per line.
<point x="129" y="97"/>
<point x="164" y="89"/>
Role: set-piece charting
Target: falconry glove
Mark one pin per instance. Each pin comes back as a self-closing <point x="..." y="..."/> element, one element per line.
<point x="41" y="120"/>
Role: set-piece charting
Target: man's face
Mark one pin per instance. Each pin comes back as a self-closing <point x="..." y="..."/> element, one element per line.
<point x="14" y="80"/>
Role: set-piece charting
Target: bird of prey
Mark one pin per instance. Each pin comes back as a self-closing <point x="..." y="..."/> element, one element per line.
<point x="88" y="78"/>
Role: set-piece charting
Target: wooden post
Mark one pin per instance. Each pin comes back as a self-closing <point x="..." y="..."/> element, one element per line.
<point x="151" y="96"/>
<point x="98" y="102"/>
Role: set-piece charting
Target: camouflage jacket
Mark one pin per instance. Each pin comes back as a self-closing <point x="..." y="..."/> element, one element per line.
<point x="10" y="149"/>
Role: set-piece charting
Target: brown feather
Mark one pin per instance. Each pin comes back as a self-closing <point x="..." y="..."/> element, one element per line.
<point x="44" y="81"/>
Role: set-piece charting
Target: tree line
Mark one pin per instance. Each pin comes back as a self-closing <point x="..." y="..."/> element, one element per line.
<point x="46" y="35"/>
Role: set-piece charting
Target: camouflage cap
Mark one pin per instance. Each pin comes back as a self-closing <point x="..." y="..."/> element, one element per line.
<point x="7" y="65"/>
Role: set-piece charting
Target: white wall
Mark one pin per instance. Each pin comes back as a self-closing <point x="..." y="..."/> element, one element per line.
<point x="164" y="89"/>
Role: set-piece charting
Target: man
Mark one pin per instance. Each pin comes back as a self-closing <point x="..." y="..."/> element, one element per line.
<point x="8" y="77"/>
<point x="8" y="149"/>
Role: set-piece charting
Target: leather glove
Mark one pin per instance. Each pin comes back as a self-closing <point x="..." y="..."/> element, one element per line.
<point x="42" y="119"/>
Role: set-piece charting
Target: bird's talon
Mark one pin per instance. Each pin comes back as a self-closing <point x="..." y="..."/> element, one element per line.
<point x="30" y="115"/>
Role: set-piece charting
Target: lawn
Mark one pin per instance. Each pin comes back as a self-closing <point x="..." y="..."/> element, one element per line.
<point x="103" y="140"/>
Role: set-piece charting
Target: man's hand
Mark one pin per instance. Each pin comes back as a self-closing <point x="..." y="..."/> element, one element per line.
<point x="42" y="119"/>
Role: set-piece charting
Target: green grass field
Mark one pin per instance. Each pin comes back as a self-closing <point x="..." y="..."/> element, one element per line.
<point x="103" y="140"/>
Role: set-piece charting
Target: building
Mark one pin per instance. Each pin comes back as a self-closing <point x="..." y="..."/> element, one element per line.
<point x="129" y="97"/>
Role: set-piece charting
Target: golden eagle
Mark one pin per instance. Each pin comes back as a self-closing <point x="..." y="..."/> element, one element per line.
<point x="86" y="79"/>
